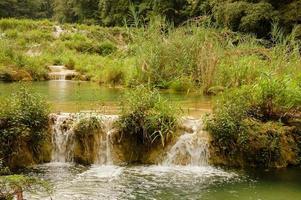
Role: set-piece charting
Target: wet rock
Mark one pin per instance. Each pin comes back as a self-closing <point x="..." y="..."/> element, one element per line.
<point x="10" y="75"/>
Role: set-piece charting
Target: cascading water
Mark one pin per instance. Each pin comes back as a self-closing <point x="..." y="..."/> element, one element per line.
<point x="104" y="154"/>
<point x="63" y="137"/>
<point x="170" y="180"/>
<point x="61" y="73"/>
<point x="191" y="148"/>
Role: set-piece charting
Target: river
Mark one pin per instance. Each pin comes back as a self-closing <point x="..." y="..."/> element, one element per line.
<point x="72" y="96"/>
<point x="148" y="182"/>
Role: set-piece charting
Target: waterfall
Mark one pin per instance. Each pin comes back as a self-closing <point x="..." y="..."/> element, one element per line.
<point x="62" y="134"/>
<point x="191" y="147"/>
<point x="104" y="154"/>
<point x="63" y="137"/>
<point x="58" y="72"/>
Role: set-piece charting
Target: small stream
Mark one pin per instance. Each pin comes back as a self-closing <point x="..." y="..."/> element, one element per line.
<point x="184" y="173"/>
<point x="168" y="180"/>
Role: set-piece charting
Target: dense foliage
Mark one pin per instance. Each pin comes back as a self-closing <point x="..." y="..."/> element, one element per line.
<point x="239" y="15"/>
<point x="258" y="122"/>
<point x="23" y="126"/>
<point x="14" y="185"/>
<point x="190" y="57"/>
<point x="147" y="117"/>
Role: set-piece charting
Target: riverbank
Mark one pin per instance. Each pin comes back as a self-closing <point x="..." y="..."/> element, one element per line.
<point x="192" y="57"/>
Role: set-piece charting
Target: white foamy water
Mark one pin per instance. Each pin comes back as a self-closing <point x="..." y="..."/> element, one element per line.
<point x="63" y="136"/>
<point x="133" y="182"/>
<point x="174" y="179"/>
<point x="60" y="72"/>
<point x="191" y="148"/>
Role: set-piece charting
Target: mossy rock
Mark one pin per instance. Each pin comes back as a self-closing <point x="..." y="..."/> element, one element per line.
<point x="87" y="140"/>
<point x="262" y="144"/>
<point x="11" y="75"/>
<point x="86" y="149"/>
<point x="26" y="157"/>
<point x="45" y="152"/>
<point x="22" y="158"/>
<point x="130" y="151"/>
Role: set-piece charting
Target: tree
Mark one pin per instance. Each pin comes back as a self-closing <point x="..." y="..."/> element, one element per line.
<point x="113" y="12"/>
<point x="64" y="11"/>
<point x="25" y="8"/>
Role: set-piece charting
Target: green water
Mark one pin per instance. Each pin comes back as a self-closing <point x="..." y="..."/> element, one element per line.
<point x="71" y="96"/>
<point x="167" y="183"/>
<point x="74" y="182"/>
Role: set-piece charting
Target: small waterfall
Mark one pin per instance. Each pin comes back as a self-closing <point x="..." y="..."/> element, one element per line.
<point x="191" y="147"/>
<point x="61" y="73"/>
<point x="104" y="154"/>
<point x="63" y="137"/>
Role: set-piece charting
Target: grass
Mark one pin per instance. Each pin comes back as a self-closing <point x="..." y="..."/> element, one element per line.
<point x="147" y="117"/>
<point x="13" y="185"/>
<point x="257" y="125"/>
<point x="191" y="57"/>
<point x="23" y="129"/>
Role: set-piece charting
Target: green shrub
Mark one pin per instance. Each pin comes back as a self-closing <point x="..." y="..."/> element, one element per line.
<point x="87" y="126"/>
<point x="105" y="48"/>
<point x="70" y="64"/>
<point x="57" y="61"/>
<point x="10" y="186"/>
<point x="269" y="105"/>
<point x="23" y="124"/>
<point x="147" y="117"/>
<point x="181" y="85"/>
<point x="114" y="75"/>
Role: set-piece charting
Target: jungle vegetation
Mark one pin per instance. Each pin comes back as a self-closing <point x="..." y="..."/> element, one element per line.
<point x="251" y="16"/>
<point x="247" y="52"/>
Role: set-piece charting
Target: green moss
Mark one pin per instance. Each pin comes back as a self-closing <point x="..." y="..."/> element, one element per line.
<point x="87" y="135"/>
<point x="254" y="125"/>
<point x="147" y="123"/>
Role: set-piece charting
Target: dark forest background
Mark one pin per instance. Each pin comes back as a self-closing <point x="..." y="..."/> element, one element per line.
<point x="250" y="16"/>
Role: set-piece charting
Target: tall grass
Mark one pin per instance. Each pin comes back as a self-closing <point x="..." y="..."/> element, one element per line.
<point x="194" y="56"/>
<point x="147" y="117"/>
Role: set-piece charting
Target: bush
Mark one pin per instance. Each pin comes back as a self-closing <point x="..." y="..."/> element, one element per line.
<point x="105" y="48"/>
<point x="23" y="127"/>
<point x="87" y="126"/>
<point x="147" y="117"/>
<point x="113" y="74"/>
<point x="14" y="185"/>
<point x="181" y="84"/>
<point x="269" y="105"/>
<point x="70" y="64"/>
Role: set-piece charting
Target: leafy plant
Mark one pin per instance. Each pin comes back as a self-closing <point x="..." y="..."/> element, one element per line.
<point x="15" y="185"/>
<point x="263" y="110"/>
<point x="147" y="117"/>
<point x="23" y="120"/>
<point x="87" y="126"/>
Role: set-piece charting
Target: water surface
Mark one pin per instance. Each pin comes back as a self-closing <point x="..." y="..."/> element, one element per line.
<point x="167" y="183"/>
<point x="73" y="96"/>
